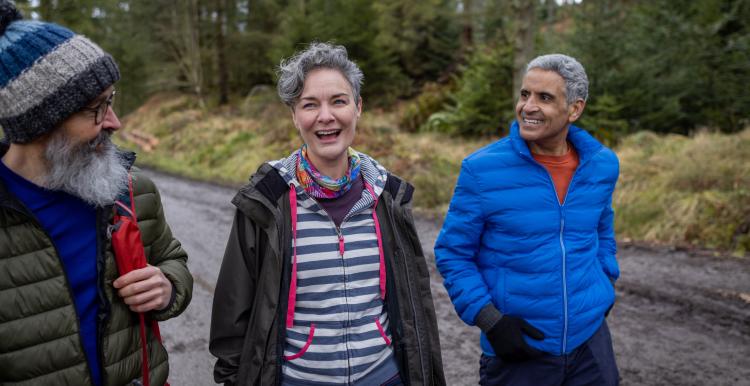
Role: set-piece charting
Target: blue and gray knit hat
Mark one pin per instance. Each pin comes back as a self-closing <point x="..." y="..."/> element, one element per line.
<point x="47" y="73"/>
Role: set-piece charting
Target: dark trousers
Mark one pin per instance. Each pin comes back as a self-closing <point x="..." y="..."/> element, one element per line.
<point x="593" y="363"/>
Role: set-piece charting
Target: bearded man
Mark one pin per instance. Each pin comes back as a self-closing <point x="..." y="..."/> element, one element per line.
<point x="66" y="316"/>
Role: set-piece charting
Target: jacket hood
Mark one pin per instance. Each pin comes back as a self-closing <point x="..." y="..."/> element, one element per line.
<point x="582" y="141"/>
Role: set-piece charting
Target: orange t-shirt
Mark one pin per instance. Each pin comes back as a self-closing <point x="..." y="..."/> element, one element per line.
<point x="560" y="168"/>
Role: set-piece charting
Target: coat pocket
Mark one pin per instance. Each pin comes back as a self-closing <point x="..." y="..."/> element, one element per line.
<point x="304" y="348"/>
<point x="382" y="331"/>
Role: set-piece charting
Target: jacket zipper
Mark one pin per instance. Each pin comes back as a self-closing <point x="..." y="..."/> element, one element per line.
<point x="346" y="296"/>
<point x="340" y="236"/>
<point x="342" y="250"/>
<point x="104" y="310"/>
<point x="561" y="212"/>
<point x="564" y="282"/>
<point x="399" y="245"/>
<point x="341" y="242"/>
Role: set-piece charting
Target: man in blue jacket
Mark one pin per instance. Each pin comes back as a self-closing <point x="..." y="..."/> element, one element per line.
<point x="527" y="249"/>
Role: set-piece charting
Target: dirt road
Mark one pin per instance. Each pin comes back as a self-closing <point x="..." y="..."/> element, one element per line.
<point x="679" y="319"/>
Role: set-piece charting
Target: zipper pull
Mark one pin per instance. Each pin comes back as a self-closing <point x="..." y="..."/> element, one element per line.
<point x="110" y="229"/>
<point x="341" y="242"/>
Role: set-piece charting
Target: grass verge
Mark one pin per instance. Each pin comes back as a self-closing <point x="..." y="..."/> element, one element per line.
<point x="672" y="189"/>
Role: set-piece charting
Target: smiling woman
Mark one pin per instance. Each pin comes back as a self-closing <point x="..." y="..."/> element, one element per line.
<point x="326" y="116"/>
<point x="311" y="276"/>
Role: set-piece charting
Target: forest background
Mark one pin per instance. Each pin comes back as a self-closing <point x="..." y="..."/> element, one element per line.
<point x="668" y="91"/>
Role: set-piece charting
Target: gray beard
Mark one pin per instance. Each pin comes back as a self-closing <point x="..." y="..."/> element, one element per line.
<point x="96" y="177"/>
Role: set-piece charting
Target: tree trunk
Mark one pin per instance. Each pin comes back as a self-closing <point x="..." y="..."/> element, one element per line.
<point x="45" y="9"/>
<point x="551" y="8"/>
<point x="221" y="60"/>
<point x="523" y="47"/>
<point x="467" y="26"/>
<point x="182" y="37"/>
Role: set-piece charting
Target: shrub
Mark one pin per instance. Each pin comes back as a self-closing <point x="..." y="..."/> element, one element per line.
<point x="681" y="190"/>
<point x="483" y="101"/>
<point x="417" y="111"/>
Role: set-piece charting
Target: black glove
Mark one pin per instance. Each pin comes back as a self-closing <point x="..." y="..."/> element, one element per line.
<point x="506" y="338"/>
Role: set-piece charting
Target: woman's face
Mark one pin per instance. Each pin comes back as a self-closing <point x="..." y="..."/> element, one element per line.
<point x="326" y="116"/>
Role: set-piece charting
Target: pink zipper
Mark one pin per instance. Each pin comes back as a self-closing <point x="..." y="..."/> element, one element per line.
<point x="341" y="243"/>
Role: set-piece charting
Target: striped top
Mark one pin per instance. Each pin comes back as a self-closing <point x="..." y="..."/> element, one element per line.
<point x="340" y="332"/>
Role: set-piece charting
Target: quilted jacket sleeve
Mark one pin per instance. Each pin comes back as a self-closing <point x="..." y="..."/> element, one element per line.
<point x="457" y="247"/>
<point x="606" y="232"/>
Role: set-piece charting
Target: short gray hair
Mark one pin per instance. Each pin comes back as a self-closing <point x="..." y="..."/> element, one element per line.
<point x="293" y="71"/>
<point x="576" y="81"/>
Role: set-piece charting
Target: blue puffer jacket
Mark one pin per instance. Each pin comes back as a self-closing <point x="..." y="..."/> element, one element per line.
<point x="507" y="240"/>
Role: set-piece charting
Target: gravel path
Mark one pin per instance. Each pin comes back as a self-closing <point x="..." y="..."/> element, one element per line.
<point x="680" y="319"/>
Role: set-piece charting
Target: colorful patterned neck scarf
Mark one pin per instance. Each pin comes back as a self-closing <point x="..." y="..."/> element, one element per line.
<point x="319" y="186"/>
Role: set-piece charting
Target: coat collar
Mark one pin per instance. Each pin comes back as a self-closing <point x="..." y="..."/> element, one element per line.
<point x="373" y="173"/>
<point x="585" y="144"/>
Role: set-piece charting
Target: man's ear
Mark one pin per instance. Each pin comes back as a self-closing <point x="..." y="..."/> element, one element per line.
<point x="575" y="110"/>
<point x="359" y="107"/>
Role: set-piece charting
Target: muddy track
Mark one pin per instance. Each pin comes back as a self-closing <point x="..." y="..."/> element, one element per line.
<point x="711" y="308"/>
<point x="680" y="319"/>
<point x="688" y="328"/>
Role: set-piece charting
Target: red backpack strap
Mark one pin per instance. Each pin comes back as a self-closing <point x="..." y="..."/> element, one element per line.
<point x="125" y="207"/>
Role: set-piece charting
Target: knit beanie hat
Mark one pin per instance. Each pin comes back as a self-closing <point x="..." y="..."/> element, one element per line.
<point x="47" y="73"/>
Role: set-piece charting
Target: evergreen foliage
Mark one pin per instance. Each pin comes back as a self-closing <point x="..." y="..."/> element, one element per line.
<point x="482" y="103"/>
<point x="665" y="65"/>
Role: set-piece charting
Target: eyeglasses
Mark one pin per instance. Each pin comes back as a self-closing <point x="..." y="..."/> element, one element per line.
<point x="100" y="110"/>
